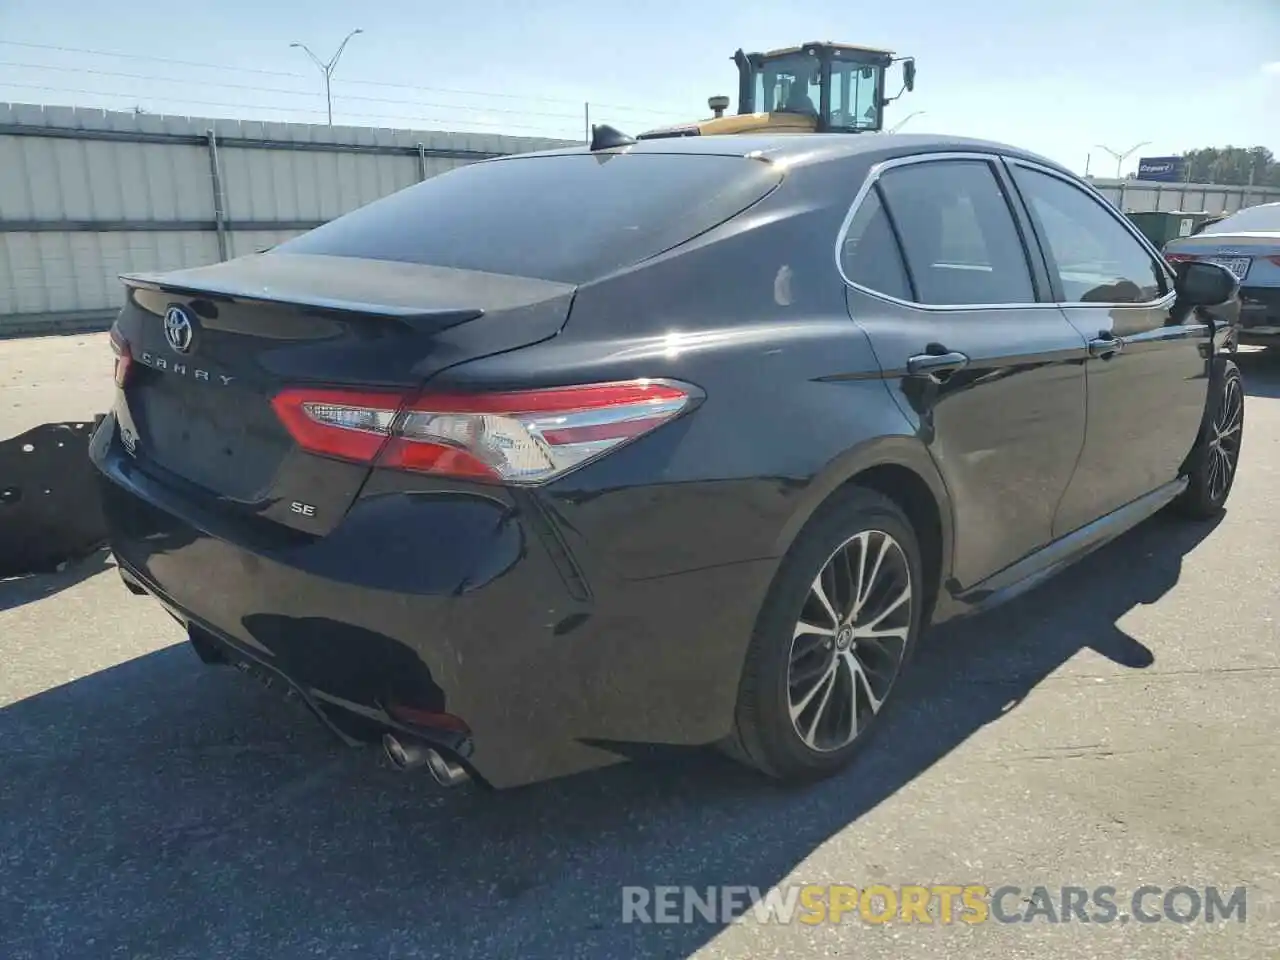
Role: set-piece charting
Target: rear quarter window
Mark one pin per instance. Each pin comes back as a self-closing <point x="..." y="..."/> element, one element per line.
<point x="568" y="218"/>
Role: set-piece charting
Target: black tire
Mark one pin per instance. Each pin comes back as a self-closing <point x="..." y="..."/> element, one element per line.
<point x="765" y="735"/>
<point x="1206" y="494"/>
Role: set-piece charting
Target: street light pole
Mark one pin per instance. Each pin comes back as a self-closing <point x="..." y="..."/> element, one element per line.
<point x="327" y="68"/>
<point x="1120" y="157"/>
<point x="903" y="122"/>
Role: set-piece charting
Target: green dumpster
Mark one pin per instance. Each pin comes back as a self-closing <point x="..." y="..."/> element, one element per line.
<point x="1164" y="225"/>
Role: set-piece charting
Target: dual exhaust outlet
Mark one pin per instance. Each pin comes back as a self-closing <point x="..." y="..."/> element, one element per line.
<point x="411" y="754"/>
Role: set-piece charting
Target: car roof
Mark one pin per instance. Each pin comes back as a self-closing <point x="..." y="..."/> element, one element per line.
<point x="795" y="149"/>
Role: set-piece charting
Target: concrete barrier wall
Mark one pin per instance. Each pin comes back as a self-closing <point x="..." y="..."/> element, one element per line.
<point x="1141" y="196"/>
<point x="86" y="195"/>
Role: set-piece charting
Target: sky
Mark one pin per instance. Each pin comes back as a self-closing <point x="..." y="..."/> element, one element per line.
<point x="1059" y="78"/>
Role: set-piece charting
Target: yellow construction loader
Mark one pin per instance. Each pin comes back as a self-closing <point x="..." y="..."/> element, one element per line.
<point x="814" y="87"/>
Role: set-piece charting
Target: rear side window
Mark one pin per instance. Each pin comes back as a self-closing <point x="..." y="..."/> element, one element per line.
<point x="568" y="218"/>
<point x="869" y="255"/>
<point x="958" y="233"/>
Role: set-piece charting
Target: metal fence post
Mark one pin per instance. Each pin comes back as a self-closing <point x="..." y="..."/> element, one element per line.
<point x="219" y="206"/>
<point x="422" y="161"/>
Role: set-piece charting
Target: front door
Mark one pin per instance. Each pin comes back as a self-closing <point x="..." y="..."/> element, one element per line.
<point x="988" y="370"/>
<point x="1148" y="369"/>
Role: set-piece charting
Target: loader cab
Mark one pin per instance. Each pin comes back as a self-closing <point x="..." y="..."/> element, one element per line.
<point x="839" y="88"/>
<point x="814" y="87"/>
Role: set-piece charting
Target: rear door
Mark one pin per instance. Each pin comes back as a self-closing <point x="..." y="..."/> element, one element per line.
<point x="989" y="372"/>
<point x="1148" y="368"/>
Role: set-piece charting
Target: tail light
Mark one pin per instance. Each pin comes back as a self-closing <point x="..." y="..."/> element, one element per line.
<point x="124" y="359"/>
<point x="520" y="437"/>
<point x="419" y="717"/>
<point x="1275" y="260"/>
<point x="1180" y="257"/>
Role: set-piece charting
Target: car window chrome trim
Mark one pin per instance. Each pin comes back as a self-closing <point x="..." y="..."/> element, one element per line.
<point x="878" y="169"/>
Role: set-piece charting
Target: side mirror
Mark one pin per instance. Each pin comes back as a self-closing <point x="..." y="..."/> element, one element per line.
<point x="909" y="74"/>
<point x="1199" y="283"/>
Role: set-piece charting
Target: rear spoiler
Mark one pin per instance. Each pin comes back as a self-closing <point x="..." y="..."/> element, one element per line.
<point x="425" y="319"/>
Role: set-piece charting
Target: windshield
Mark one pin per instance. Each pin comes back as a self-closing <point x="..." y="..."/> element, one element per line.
<point x="855" y="95"/>
<point x="566" y="217"/>
<point x="792" y="84"/>
<point x="1265" y="217"/>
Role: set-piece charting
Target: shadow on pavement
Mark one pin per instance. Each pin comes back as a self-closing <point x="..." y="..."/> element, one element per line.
<point x="162" y="809"/>
<point x="15" y="591"/>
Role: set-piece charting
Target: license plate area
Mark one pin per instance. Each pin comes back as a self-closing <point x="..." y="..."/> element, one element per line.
<point x="225" y="440"/>
<point x="1239" y="266"/>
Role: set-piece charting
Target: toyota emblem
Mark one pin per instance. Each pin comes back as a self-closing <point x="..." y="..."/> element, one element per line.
<point x="178" y="329"/>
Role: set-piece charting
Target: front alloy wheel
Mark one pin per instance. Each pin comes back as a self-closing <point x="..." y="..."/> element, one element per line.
<point x="1224" y="445"/>
<point x="1211" y="468"/>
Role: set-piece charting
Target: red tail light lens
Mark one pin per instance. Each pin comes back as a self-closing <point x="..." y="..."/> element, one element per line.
<point x="1180" y="257"/>
<point x="124" y="358"/>
<point x="521" y="437"/>
<point x="1275" y="260"/>
<point x="345" y="424"/>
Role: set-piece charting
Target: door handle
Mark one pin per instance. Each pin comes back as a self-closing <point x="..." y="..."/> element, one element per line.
<point x="1105" y="345"/>
<point x="936" y="361"/>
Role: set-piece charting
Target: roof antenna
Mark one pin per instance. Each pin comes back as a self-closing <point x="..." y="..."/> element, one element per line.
<point x="605" y="137"/>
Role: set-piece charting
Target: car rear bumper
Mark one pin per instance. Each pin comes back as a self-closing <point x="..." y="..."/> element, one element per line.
<point x="448" y="606"/>
<point x="1259" y="316"/>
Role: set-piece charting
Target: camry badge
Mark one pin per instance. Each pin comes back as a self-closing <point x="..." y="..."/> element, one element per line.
<point x="178" y="329"/>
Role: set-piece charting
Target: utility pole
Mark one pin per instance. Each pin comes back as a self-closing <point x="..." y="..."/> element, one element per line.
<point x="1121" y="157"/>
<point x="327" y="68"/>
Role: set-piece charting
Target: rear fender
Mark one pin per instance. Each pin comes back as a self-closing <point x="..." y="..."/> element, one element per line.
<point x="900" y="451"/>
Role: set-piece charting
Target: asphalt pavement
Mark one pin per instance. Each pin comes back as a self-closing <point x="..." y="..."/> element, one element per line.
<point x="1116" y="727"/>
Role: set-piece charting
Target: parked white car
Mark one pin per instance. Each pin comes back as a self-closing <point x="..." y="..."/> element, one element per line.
<point x="1248" y="244"/>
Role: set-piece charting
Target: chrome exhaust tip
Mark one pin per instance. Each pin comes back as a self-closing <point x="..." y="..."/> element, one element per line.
<point x="410" y="754"/>
<point x="447" y="773"/>
<point x="403" y="756"/>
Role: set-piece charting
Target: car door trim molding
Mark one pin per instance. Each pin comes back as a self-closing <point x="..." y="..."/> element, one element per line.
<point x="878" y="170"/>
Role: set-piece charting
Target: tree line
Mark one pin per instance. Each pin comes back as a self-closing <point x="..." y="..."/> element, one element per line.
<point x="1236" y="166"/>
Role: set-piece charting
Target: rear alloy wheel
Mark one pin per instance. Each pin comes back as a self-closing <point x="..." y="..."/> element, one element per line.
<point x="1212" y="465"/>
<point x="850" y="640"/>
<point x="835" y="632"/>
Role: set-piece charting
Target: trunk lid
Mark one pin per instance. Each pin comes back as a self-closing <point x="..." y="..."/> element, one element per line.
<point x="211" y="345"/>
<point x="1247" y="254"/>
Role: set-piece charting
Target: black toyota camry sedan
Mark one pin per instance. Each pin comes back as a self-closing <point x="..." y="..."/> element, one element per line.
<point x="555" y="457"/>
